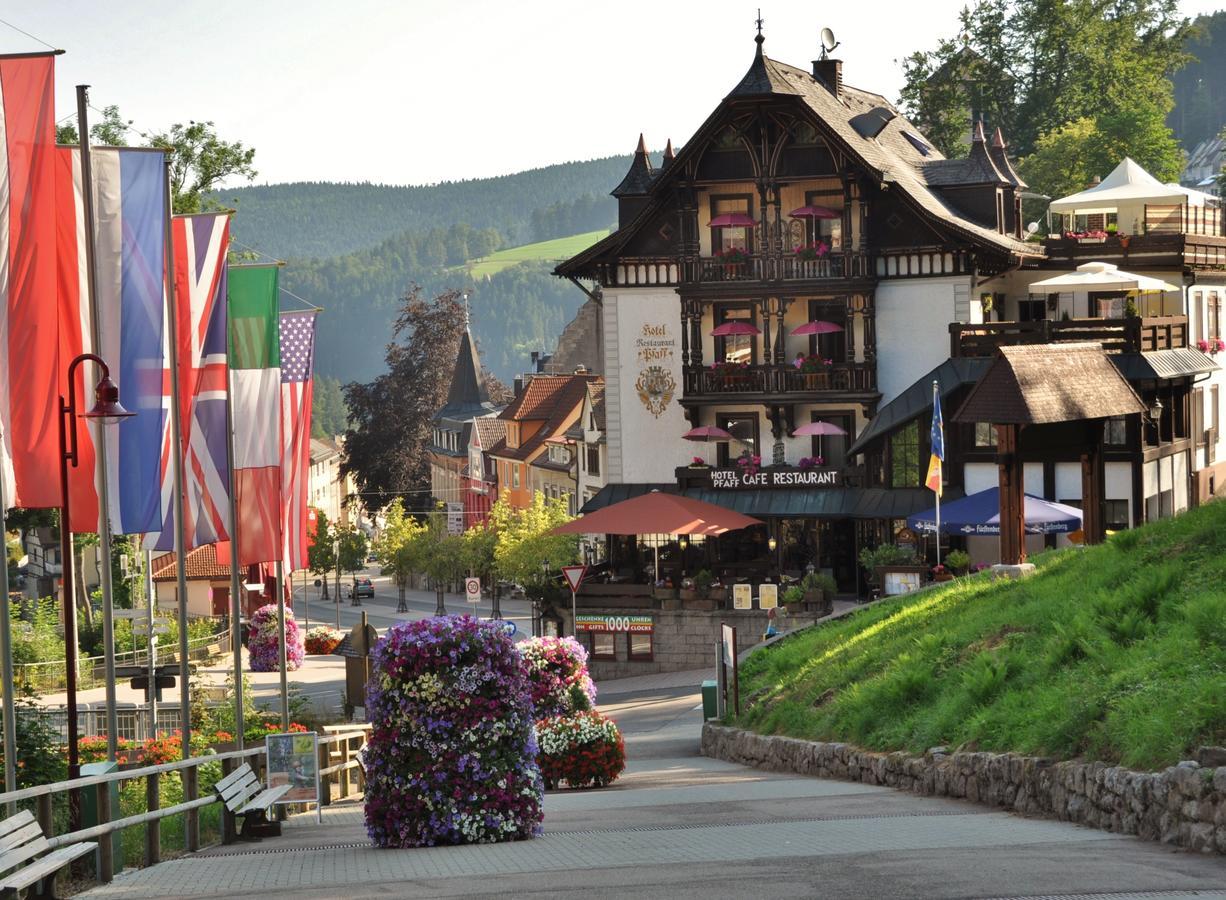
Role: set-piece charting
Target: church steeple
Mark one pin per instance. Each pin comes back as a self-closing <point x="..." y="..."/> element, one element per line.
<point x="468" y="397"/>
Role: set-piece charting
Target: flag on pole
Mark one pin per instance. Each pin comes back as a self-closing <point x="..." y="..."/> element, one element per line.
<point x="255" y="397"/>
<point x="130" y="264"/>
<point x="937" y="439"/>
<point x="29" y="401"/>
<point x="200" y="244"/>
<point x="297" y="365"/>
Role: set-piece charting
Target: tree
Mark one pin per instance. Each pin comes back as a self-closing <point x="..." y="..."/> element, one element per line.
<point x="386" y="445"/>
<point x="524" y="544"/>
<point x="1033" y="67"/>
<point x="353" y="551"/>
<point x="321" y="555"/>
<point x="396" y="548"/>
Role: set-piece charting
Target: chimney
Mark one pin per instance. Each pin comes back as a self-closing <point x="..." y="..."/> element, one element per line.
<point x="519" y="385"/>
<point x="535" y="356"/>
<point x="830" y="73"/>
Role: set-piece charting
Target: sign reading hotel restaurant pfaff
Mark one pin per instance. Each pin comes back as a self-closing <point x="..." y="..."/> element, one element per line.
<point x="639" y="624"/>
<point x="735" y="479"/>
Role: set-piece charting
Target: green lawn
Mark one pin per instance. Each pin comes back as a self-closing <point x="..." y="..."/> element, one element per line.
<point x="557" y="249"/>
<point x="1115" y="653"/>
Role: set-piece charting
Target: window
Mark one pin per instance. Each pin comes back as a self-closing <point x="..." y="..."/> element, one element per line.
<point x="743" y="427"/>
<point x="728" y="238"/>
<point x="917" y="142"/>
<point x="601" y="645"/>
<point x="593" y="460"/>
<point x="1213" y="312"/>
<point x="904" y="456"/>
<point x="514" y="475"/>
<point x="828" y="231"/>
<point x="833" y="447"/>
<point x="1115" y="431"/>
<point x="834" y="345"/>
<point x="1032" y="309"/>
<point x="1115" y="515"/>
<point x="985" y="435"/>
<point x="1213" y="414"/>
<point x="640" y="644"/>
<point x="735" y="347"/>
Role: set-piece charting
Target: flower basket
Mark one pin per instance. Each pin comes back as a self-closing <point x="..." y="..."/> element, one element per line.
<point x="452" y="757"/>
<point x="263" y="640"/>
<point x="584" y="750"/>
<point x="556" y="669"/>
<point x="322" y="640"/>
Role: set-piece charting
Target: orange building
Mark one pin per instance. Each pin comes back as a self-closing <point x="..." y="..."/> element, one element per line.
<point x="542" y="412"/>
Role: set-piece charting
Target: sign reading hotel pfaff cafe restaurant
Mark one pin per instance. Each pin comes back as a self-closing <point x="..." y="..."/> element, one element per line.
<point x="738" y="479"/>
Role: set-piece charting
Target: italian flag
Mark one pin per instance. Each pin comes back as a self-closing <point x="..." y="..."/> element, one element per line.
<point x="255" y="391"/>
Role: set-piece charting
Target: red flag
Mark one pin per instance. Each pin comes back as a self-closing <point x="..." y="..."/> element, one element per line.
<point x="29" y="332"/>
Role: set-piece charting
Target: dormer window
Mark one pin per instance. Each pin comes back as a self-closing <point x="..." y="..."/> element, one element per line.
<point x="917" y="142"/>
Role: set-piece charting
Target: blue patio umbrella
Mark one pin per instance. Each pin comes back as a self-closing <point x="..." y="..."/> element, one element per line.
<point x="979" y="514"/>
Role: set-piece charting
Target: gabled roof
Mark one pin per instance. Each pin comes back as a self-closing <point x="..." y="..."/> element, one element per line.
<point x="200" y="565"/>
<point x="1039" y="384"/>
<point x="549" y="399"/>
<point x="323" y="448"/>
<point x="468" y="396"/>
<point x="489" y="430"/>
<point x="889" y="156"/>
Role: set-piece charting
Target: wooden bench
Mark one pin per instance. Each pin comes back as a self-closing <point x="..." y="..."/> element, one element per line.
<point x="245" y="795"/>
<point x="26" y="858"/>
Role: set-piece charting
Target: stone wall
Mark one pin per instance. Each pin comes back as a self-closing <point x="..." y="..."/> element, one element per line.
<point x="1183" y="805"/>
<point x="682" y="639"/>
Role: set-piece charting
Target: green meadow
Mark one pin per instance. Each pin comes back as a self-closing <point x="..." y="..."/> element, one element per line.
<point x="548" y="251"/>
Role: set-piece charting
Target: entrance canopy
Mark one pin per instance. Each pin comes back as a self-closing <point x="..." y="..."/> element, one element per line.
<point x="659" y="513"/>
<point x="979" y="514"/>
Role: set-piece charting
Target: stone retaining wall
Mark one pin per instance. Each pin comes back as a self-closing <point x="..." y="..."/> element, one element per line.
<point x="1183" y="805"/>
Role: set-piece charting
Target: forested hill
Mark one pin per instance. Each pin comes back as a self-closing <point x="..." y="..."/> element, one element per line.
<point x="320" y="220"/>
<point x="1200" y="86"/>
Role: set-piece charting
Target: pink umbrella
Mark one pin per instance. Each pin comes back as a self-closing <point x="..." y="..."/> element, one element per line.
<point x="733" y="220"/>
<point x="736" y="327"/>
<point x="818" y="428"/>
<point x="815" y="212"/>
<point x="707" y="433"/>
<point x="816" y="328"/>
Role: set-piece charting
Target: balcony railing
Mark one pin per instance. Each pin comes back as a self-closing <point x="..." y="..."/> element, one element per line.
<point x="849" y="377"/>
<point x="788" y="267"/>
<point x="1176" y="218"/>
<point x="1131" y="335"/>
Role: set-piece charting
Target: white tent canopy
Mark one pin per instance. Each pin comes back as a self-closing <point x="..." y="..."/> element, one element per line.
<point x="1195" y="197"/>
<point x="1101" y="276"/>
<point x="1128" y="183"/>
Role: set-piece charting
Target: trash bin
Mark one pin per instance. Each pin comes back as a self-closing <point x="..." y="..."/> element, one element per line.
<point x="89" y="808"/>
<point x="710" y="700"/>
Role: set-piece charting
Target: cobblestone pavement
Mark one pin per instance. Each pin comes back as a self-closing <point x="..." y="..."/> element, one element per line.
<point x="679" y="825"/>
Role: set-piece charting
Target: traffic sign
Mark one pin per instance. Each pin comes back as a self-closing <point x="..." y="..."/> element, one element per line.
<point x="509" y="627"/>
<point x="140" y="626"/>
<point x="472" y="589"/>
<point x="574" y="576"/>
<point x="131" y="613"/>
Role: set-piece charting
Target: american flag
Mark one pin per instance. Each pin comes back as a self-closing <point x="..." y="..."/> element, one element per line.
<point x="200" y="245"/>
<point x="297" y="363"/>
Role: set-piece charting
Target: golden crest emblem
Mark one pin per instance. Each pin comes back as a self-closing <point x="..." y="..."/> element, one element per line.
<point x="656" y="387"/>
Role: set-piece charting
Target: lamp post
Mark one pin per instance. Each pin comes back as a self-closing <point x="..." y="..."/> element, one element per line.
<point x="106" y="409"/>
<point x="338" y="584"/>
<point x="1155" y="416"/>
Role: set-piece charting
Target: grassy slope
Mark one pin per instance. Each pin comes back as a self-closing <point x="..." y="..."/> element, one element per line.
<point x="556" y="249"/>
<point x="1115" y="653"/>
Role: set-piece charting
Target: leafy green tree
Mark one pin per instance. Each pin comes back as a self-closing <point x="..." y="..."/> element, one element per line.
<point x="353" y="550"/>
<point x="524" y="544"/>
<point x="112" y="131"/>
<point x="321" y="555"/>
<point x="397" y="546"/>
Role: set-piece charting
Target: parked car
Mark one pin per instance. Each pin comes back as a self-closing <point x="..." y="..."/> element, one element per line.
<point x="362" y="587"/>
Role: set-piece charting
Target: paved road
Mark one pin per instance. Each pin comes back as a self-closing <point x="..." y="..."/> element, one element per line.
<point x="680" y="826"/>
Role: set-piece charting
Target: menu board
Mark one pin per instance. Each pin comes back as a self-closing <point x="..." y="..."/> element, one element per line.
<point x="768" y="596"/>
<point x="742" y="596"/>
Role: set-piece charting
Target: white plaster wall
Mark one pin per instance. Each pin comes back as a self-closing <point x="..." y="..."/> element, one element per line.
<point x="913" y="317"/>
<point x="643" y="447"/>
<point x="1068" y="481"/>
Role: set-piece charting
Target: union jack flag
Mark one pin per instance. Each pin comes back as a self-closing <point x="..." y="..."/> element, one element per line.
<point x="200" y="244"/>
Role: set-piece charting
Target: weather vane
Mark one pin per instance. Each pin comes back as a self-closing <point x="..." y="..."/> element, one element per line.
<point x="759" y="22"/>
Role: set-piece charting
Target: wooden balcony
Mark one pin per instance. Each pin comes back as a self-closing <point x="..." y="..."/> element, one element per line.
<point x="765" y="268"/>
<point x="763" y="382"/>
<point x="1133" y="335"/>
<point x="1159" y="249"/>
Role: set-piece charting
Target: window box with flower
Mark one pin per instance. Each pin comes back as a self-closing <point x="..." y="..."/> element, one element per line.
<point x="731" y="374"/>
<point x="733" y="260"/>
<point x="815" y="250"/>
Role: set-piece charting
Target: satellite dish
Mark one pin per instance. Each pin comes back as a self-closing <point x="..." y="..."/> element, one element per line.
<point x="1032" y="227"/>
<point x="828" y="41"/>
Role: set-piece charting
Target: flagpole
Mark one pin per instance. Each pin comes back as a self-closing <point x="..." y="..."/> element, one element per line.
<point x="101" y="467"/>
<point x="936" y="399"/>
<point x="176" y="440"/>
<point x="6" y="666"/>
<point x="281" y="644"/>
<point x="236" y="605"/>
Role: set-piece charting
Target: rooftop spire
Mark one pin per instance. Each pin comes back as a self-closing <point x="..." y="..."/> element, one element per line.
<point x="468" y="396"/>
<point x="669" y="155"/>
<point x="760" y="39"/>
<point x="638" y="179"/>
<point x="977" y="135"/>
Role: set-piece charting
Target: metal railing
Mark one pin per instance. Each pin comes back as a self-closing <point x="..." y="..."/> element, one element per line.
<point x="348" y="743"/>
<point x="779" y="379"/>
<point x="49" y="676"/>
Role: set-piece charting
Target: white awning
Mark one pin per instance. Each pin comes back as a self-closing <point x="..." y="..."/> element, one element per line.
<point x="1127" y="183"/>
<point x="1101" y="276"/>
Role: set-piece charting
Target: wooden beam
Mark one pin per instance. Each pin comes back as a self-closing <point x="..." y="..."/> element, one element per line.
<point x="1093" y="480"/>
<point x="1012" y="500"/>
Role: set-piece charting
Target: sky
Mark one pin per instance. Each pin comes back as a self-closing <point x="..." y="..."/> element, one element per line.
<point x="410" y="92"/>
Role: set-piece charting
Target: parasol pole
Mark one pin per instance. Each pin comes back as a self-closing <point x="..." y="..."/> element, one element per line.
<point x="936" y="400"/>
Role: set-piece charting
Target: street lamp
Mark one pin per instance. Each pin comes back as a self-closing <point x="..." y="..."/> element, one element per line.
<point x="106" y="410"/>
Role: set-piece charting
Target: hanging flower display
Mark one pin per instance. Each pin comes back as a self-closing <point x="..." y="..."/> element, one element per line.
<point x="584" y="750"/>
<point x="557" y="673"/>
<point x="263" y="642"/>
<point x="452" y="754"/>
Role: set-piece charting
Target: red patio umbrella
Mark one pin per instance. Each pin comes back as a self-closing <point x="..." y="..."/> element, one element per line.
<point x="735" y="327"/>
<point x="817" y="327"/>
<point x="707" y="433"/>
<point x="815" y="212"/>
<point x="658" y="513"/>
<point x="733" y="220"/>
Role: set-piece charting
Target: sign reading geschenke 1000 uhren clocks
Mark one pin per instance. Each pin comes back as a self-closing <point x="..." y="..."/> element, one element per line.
<point x="735" y="479"/>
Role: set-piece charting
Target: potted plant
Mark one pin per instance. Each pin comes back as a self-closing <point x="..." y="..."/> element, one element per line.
<point x="697" y="595"/>
<point x="878" y="561"/>
<point x="731" y="373"/>
<point x="813" y="368"/>
<point x="811" y="462"/>
<point x="940" y="573"/>
<point x="958" y="560"/>
<point x="813" y="251"/>
<point x="1130" y="309"/>
<point x="1112" y="228"/>
<point x="819" y="590"/>
<point x="733" y="259"/>
<point x="748" y="464"/>
<point x="793" y="597"/>
<point x="699" y="463"/>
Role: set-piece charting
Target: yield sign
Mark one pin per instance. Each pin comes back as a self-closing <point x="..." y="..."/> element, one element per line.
<point x="574" y="576"/>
